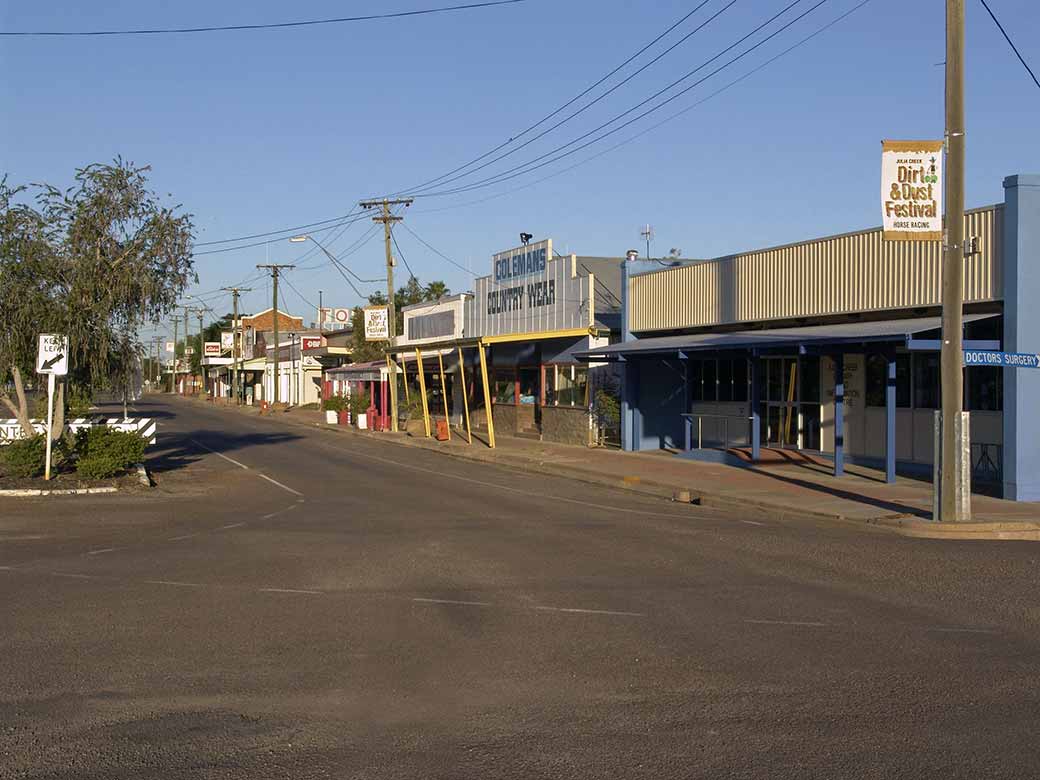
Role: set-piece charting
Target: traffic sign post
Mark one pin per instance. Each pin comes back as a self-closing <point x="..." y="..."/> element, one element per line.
<point x="52" y="359"/>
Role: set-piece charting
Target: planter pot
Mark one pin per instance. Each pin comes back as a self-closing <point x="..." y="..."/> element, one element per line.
<point x="362" y="421"/>
<point x="331" y="417"/>
<point x="344" y="417"/>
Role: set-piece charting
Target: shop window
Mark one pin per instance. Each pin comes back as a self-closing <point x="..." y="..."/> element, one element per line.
<point x="571" y="385"/>
<point x="725" y="380"/>
<point x="710" y="380"/>
<point x="529" y="386"/>
<point x="926" y="381"/>
<point x="985" y="388"/>
<point x="505" y="387"/>
<point x="809" y="378"/>
<point x="740" y="379"/>
<point x="877" y="380"/>
<point x="696" y="380"/>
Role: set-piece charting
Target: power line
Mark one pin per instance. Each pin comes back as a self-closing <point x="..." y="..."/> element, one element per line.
<point x="276" y="232"/>
<point x="649" y="129"/>
<point x="1007" y="38"/>
<point x="530" y="165"/>
<point x="269" y="26"/>
<point x="273" y="241"/>
<point x="574" y="99"/>
<point x="298" y="294"/>
<point x="435" y="250"/>
<point x="401" y="254"/>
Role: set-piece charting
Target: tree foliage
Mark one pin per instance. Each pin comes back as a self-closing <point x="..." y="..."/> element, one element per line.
<point x="96" y="261"/>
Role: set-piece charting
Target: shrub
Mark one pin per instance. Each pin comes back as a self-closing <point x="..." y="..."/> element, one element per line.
<point x="336" y="403"/>
<point x="25" y="457"/>
<point x="104" y="452"/>
<point x="358" y="403"/>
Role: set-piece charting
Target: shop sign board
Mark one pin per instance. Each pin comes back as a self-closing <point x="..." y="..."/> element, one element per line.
<point x="227" y="340"/>
<point x="310" y="342"/>
<point x="334" y="316"/>
<point x="211" y="349"/>
<point x="529" y="291"/>
<point x="377" y="323"/>
<point x="912" y="190"/>
<point x="987" y="357"/>
<point x="169" y="346"/>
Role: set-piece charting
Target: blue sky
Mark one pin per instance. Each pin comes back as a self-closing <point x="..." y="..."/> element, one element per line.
<point x="256" y="131"/>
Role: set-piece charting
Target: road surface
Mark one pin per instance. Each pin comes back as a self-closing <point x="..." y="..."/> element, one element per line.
<point x="304" y="604"/>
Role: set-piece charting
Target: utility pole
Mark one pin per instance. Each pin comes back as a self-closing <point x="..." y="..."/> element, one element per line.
<point x="388" y="219"/>
<point x="187" y="357"/>
<point x="202" y="348"/>
<point x="275" y="269"/>
<point x="173" y="373"/>
<point x="321" y="316"/>
<point x="235" y="293"/>
<point x="954" y="495"/>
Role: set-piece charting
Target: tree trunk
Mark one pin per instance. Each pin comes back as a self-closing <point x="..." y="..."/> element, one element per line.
<point x="21" y="411"/>
<point x="58" y="424"/>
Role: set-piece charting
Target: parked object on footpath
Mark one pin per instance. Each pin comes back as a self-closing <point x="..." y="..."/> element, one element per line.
<point x="442" y="430"/>
<point x="362" y="421"/>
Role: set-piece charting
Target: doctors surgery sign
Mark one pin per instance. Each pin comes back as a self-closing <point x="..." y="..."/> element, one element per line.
<point x="911" y="190"/>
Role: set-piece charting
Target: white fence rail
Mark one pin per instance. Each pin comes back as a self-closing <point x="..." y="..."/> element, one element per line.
<point x="11" y="429"/>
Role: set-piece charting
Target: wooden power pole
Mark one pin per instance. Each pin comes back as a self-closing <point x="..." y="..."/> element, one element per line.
<point x="275" y="269"/>
<point x="954" y="493"/>
<point x="235" y="293"/>
<point x="388" y="219"/>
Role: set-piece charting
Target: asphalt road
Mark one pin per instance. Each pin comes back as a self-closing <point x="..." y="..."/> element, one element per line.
<point x="303" y="604"/>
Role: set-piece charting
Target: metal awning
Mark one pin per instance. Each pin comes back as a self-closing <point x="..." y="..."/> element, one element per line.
<point x="800" y="339"/>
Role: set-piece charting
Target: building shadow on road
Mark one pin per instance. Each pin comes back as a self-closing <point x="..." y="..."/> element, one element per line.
<point x="176" y="449"/>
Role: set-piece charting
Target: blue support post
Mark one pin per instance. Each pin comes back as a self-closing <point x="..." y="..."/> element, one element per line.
<point x="839" y="414"/>
<point x="687" y="422"/>
<point x="628" y="383"/>
<point x="756" y="420"/>
<point x="890" y="421"/>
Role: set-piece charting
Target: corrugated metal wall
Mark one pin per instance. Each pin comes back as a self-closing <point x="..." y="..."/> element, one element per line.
<point x="855" y="272"/>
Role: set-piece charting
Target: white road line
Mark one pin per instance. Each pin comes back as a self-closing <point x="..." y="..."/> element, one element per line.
<point x="279" y="484"/>
<point x="104" y="550"/>
<point x="182" y="538"/>
<point x="220" y="454"/>
<point x="280" y="511"/>
<point x="751" y="522"/>
<point x="228" y="527"/>
<point x="6" y="568"/>
<point x="786" y="623"/>
<point x="291" y="590"/>
<point x="452" y="601"/>
<point x="175" y="584"/>
<point x="591" y="611"/>
<point x="73" y="576"/>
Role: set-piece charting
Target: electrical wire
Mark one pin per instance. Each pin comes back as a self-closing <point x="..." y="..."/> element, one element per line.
<point x="269" y="26"/>
<point x="298" y="293"/>
<point x="1007" y="38"/>
<point x="351" y="221"/>
<point x="530" y="165"/>
<point x="436" y="251"/>
<point x="276" y="232"/>
<point x="649" y="129"/>
<point x="574" y="99"/>
<point x="411" y="273"/>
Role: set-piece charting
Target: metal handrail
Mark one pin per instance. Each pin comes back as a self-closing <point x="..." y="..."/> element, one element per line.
<point x="688" y="418"/>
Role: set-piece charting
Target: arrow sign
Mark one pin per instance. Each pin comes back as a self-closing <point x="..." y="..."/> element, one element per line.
<point x="986" y="357"/>
<point x="50" y="362"/>
<point x="53" y="354"/>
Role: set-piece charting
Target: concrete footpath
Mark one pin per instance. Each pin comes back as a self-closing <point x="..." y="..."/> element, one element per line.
<point x="778" y="491"/>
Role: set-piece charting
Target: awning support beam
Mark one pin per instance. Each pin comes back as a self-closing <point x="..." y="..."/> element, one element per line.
<point x="839" y="414"/>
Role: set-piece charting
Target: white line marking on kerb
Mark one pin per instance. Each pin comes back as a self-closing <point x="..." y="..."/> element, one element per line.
<point x="220" y="454"/>
<point x="279" y="484"/>
<point x="452" y="601"/>
<point x="291" y="590"/>
<point x="175" y="584"/>
<point x="786" y="623"/>
<point x="104" y="550"/>
<point x="591" y="611"/>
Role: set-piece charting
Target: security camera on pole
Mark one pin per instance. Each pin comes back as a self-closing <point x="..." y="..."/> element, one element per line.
<point x="52" y="359"/>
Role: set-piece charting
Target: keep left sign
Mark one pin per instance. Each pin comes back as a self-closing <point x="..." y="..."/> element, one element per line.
<point x="53" y="354"/>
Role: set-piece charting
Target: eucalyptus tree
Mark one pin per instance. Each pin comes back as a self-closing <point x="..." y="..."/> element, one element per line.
<point x="97" y="261"/>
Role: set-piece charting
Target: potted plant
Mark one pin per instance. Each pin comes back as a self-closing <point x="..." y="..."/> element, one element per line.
<point x="359" y="403"/>
<point x="333" y="407"/>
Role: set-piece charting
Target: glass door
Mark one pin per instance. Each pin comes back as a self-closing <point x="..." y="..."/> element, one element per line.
<point x="781" y="413"/>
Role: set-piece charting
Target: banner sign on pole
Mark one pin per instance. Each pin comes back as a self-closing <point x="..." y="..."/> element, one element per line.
<point x="912" y="190"/>
<point x="986" y="357"/>
<point x="211" y="349"/>
<point x="227" y="340"/>
<point x="169" y="346"/>
<point x="377" y="323"/>
<point x="189" y="350"/>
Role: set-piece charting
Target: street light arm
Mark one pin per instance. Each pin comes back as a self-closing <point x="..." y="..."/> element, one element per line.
<point x="338" y="264"/>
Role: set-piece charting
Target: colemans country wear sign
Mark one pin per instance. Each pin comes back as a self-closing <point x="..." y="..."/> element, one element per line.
<point x="911" y="190"/>
<point x="529" y="291"/>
